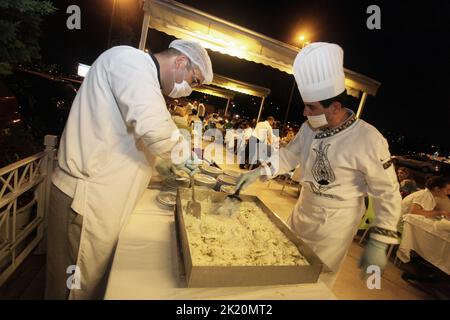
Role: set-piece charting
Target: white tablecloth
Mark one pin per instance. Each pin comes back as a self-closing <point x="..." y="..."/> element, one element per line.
<point x="146" y="264"/>
<point x="420" y="235"/>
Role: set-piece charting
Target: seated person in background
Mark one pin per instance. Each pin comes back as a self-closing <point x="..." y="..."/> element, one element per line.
<point x="287" y="138"/>
<point x="201" y="111"/>
<point x="229" y="123"/>
<point x="407" y="187"/>
<point x="171" y="108"/>
<point x="442" y="204"/>
<point x="189" y="108"/>
<point x="193" y="118"/>
<point x="220" y="124"/>
<point x="180" y="118"/>
<point x="407" y="184"/>
<point x="209" y="122"/>
<point x="442" y="197"/>
<point x="423" y="202"/>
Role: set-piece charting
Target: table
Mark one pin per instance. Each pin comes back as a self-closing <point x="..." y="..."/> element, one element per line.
<point x="147" y="266"/>
<point x="420" y="234"/>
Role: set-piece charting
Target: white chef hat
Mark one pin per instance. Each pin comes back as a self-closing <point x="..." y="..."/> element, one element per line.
<point x="198" y="56"/>
<point x="319" y="71"/>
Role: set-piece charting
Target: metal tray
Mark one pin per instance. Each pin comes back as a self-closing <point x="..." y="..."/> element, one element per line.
<point x="232" y="276"/>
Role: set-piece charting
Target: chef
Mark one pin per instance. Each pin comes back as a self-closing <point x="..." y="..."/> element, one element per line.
<point x="117" y="125"/>
<point x="343" y="159"/>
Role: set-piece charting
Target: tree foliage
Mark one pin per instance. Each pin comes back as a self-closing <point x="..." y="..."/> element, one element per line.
<point x="20" y="22"/>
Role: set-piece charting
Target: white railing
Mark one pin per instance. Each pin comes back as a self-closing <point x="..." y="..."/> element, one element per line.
<point x="23" y="226"/>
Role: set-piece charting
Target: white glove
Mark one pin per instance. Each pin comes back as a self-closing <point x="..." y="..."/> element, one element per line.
<point x="374" y="255"/>
<point x="247" y="179"/>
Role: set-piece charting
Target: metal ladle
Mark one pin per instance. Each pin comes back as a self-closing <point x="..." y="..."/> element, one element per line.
<point x="193" y="207"/>
<point x="235" y="195"/>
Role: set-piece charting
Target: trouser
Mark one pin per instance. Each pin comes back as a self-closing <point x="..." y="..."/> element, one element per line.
<point x="63" y="241"/>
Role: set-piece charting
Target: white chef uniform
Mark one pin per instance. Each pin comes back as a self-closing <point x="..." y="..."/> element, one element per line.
<point x="117" y="116"/>
<point x="340" y="167"/>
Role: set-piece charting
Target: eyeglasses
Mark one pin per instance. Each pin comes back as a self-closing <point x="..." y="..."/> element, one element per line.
<point x="195" y="81"/>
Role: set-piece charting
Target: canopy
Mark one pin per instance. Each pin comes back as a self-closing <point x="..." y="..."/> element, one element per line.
<point x="230" y="84"/>
<point x="213" y="91"/>
<point x="216" y="34"/>
<point x="225" y="94"/>
<point x="240" y="86"/>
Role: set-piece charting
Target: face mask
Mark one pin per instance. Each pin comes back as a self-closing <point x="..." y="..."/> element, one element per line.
<point x="317" y="121"/>
<point x="179" y="90"/>
<point x="182" y="89"/>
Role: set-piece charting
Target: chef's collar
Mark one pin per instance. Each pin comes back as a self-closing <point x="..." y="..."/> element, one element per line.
<point x="327" y="132"/>
<point x="157" y="67"/>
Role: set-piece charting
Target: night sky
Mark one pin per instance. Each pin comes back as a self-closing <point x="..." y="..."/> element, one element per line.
<point x="410" y="55"/>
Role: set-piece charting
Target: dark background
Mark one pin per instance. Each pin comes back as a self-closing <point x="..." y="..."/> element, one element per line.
<point x="410" y="55"/>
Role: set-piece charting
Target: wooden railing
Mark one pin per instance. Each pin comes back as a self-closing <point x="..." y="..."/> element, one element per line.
<point x="23" y="225"/>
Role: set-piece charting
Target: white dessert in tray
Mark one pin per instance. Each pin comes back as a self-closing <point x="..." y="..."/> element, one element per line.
<point x="238" y="234"/>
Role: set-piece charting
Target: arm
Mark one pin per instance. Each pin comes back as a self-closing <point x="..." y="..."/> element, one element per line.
<point x="134" y="84"/>
<point x="383" y="187"/>
<point x="269" y="135"/>
<point x="286" y="159"/>
<point x="417" y="209"/>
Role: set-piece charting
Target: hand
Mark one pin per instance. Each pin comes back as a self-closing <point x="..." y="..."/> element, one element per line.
<point x="374" y="254"/>
<point x="164" y="168"/>
<point x="247" y="179"/>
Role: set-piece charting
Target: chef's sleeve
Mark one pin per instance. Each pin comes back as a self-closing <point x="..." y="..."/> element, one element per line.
<point x="285" y="159"/>
<point x="383" y="187"/>
<point x="136" y="89"/>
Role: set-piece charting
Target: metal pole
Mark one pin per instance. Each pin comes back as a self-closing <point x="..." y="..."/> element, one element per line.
<point x="111" y="23"/>
<point x="144" y="31"/>
<point x="226" y="109"/>
<point x="289" y="106"/>
<point x="361" y="105"/>
<point x="260" y="108"/>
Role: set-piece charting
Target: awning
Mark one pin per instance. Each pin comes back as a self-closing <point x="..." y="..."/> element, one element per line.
<point x="240" y="86"/>
<point x="232" y="85"/>
<point x="184" y="22"/>
<point x="225" y="94"/>
<point x="217" y="92"/>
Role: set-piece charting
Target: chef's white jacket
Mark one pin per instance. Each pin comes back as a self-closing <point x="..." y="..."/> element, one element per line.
<point x="118" y="123"/>
<point x="338" y="169"/>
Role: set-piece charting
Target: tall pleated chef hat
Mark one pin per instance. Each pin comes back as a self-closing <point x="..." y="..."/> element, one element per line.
<point x="198" y="56"/>
<point x="319" y="71"/>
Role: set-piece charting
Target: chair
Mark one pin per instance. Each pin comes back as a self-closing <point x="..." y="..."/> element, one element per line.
<point x="367" y="220"/>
